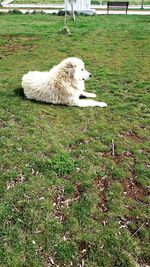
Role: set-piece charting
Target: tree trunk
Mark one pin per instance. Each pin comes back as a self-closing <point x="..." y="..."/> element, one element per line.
<point x="72" y="12"/>
<point x="65" y="29"/>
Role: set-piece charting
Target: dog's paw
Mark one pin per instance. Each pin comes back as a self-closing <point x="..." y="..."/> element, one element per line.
<point x="92" y="95"/>
<point x="102" y="104"/>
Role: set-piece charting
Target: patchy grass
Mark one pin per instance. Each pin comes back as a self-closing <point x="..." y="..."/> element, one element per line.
<point x="65" y="200"/>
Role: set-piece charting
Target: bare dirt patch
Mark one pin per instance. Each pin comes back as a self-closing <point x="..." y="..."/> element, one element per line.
<point x="131" y="135"/>
<point x="118" y="158"/>
<point x="14" y="44"/>
<point x="103" y="185"/>
<point x="131" y="189"/>
<point x="60" y="201"/>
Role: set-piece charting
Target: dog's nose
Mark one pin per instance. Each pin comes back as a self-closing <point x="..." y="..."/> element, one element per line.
<point x="90" y="75"/>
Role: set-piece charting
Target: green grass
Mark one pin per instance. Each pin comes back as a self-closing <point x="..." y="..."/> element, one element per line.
<point x="64" y="197"/>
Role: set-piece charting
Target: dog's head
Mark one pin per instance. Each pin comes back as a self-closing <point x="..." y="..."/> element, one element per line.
<point x="74" y="68"/>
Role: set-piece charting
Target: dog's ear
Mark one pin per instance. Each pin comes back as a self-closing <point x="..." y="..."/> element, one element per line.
<point x="70" y="69"/>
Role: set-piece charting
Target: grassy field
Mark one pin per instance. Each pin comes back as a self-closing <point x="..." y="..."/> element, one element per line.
<point x="132" y="2"/>
<point x="65" y="200"/>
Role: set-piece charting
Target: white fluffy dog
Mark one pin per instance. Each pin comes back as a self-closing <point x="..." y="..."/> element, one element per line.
<point x="63" y="84"/>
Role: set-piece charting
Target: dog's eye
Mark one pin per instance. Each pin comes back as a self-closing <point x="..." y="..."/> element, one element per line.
<point x="82" y="69"/>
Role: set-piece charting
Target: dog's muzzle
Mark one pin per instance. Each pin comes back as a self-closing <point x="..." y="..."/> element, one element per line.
<point x="87" y="78"/>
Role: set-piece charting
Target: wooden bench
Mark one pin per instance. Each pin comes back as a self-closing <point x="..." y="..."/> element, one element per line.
<point x="117" y="5"/>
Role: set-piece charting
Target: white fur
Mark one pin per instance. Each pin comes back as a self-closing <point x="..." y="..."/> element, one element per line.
<point x="63" y="84"/>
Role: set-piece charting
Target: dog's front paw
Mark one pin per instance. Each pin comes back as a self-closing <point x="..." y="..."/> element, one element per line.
<point x="102" y="104"/>
<point x="92" y="95"/>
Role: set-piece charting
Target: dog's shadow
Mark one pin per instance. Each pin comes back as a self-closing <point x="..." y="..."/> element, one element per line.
<point x="82" y="97"/>
<point x="19" y="93"/>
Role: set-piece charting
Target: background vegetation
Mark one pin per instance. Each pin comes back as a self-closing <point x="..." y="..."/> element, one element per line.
<point x="94" y="2"/>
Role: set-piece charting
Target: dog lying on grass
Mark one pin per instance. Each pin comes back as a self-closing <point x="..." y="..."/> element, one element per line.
<point x="63" y="84"/>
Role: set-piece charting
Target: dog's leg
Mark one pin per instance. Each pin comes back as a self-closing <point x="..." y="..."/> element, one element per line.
<point x="88" y="103"/>
<point x="86" y="94"/>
